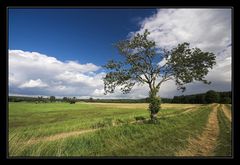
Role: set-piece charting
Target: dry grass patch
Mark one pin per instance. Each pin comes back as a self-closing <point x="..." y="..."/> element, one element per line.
<point x="59" y="136"/>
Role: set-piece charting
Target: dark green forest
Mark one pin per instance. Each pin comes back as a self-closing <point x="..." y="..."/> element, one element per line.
<point x="205" y="98"/>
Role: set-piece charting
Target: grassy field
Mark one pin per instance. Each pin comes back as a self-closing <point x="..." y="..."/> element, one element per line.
<point x="109" y="129"/>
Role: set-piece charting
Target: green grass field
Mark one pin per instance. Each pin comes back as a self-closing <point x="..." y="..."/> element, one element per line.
<point x="109" y="129"/>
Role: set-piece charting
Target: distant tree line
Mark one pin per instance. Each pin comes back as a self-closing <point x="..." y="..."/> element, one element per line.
<point x="143" y="100"/>
<point x="41" y="99"/>
<point x="38" y="99"/>
<point x="69" y="100"/>
<point x="203" y="98"/>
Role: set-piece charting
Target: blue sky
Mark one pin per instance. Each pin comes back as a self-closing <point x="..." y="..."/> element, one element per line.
<point x="60" y="52"/>
<point x="86" y="35"/>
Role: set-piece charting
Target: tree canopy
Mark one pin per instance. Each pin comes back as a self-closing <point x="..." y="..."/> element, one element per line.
<point x="141" y="64"/>
<point x="144" y="63"/>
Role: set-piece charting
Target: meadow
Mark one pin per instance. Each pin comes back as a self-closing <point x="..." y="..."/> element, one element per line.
<point x="118" y="129"/>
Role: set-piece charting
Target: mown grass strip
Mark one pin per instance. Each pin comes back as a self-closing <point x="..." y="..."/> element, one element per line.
<point x="224" y="147"/>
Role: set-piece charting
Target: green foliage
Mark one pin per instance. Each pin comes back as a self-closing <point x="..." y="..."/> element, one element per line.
<point x="52" y="98"/>
<point x="217" y="97"/>
<point x="65" y="99"/>
<point x="225" y="97"/>
<point x="188" y="64"/>
<point x="72" y="101"/>
<point x="138" y="54"/>
<point x="212" y="97"/>
<point x="154" y="105"/>
<point x="69" y="100"/>
<point x="91" y="99"/>
<point x="226" y="100"/>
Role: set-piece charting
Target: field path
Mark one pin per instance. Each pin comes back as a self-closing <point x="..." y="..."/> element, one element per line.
<point x="59" y="136"/>
<point x="227" y="112"/>
<point x="185" y="111"/>
<point x="205" y="144"/>
<point x="75" y="133"/>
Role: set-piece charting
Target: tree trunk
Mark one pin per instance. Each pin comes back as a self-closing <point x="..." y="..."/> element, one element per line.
<point x="154" y="105"/>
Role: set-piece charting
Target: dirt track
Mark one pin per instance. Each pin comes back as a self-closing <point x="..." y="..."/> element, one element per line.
<point x="205" y="144"/>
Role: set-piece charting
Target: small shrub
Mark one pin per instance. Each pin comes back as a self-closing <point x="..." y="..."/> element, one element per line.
<point x="139" y="118"/>
<point x="72" y="101"/>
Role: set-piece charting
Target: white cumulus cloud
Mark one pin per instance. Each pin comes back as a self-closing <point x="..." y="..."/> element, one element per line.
<point x="33" y="84"/>
<point x="33" y="73"/>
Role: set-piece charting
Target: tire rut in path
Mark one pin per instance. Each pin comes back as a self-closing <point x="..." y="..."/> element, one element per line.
<point x="59" y="136"/>
<point x="227" y="112"/>
<point x="185" y="111"/>
<point x="205" y="144"/>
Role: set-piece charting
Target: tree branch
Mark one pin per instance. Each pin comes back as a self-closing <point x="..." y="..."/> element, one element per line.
<point x="165" y="78"/>
<point x="141" y="79"/>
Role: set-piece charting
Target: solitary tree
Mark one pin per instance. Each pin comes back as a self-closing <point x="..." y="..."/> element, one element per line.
<point x="141" y="64"/>
<point x="65" y="99"/>
<point x="72" y="100"/>
<point x="90" y="99"/>
<point x="52" y="98"/>
<point x="40" y="99"/>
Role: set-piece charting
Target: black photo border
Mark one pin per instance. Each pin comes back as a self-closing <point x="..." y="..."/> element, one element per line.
<point x="5" y="4"/>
